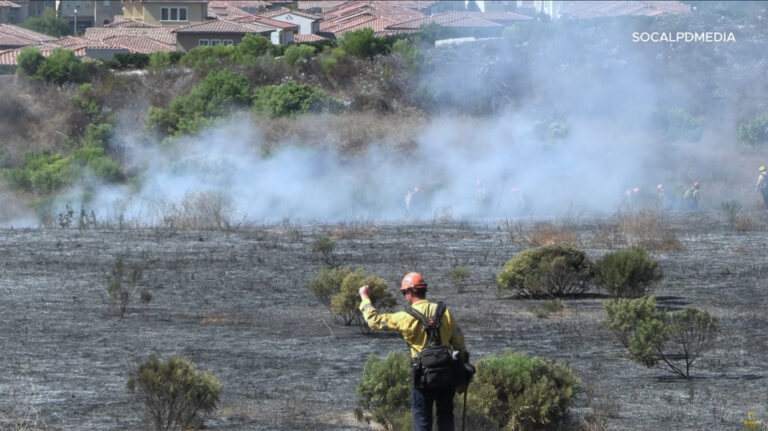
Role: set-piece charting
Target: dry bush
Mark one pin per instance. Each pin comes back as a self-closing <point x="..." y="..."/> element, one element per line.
<point x="649" y="230"/>
<point x="198" y="211"/>
<point x="608" y="235"/>
<point x="349" y="133"/>
<point x="546" y="233"/>
<point x="351" y="230"/>
<point x="35" y="116"/>
<point x="743" y="224"/>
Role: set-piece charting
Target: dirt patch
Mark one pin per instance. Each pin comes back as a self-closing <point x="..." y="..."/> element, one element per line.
<point x="236" y="303"/>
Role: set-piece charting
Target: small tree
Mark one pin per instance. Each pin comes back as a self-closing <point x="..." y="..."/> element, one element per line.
<point x="345" y="303"/>
<point x="29" y="60"/>
<point x="731" y="209"/>
<point x="327" y="284"/>
<point x="123" y="283"/>
<point x="326" y="245"/>
<point x="649" y="334"/>
<point x="253" y="46"/>
<point x="299" y="54"/>
<point x="49" y="23"/>
<point x="459" y="275"/>
<point x="362" y="43"/>
<point x="755" y="131"/>
<point x="174" y="392"/>
<point x="546" y="271"/>
<point x="383" y="393"/>
<point x="288" y="99"/>
<point x="627" y="273"/>
<point x="521" y="392"/>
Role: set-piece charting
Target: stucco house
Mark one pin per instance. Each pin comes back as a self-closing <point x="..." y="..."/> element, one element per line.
<point x="217" y="32"/>
<point x="166" y="12"/>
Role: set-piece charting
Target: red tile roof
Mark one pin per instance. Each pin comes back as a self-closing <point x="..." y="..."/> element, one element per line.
<point x="10" y="4"/>
<point x="269" y="22"/>
<point x="160" y="34"/>
<point x="324" y="6"/>
<point x="138" y="43"/>
<point x="299" y="38"/>
<point x="121" y="22"/>
<point x="78" y="45"/>
<point x="220" y="26"/>
<point x="284" y="11"/>
<point x="15" y="35"/>
<point x="224" y="10"/>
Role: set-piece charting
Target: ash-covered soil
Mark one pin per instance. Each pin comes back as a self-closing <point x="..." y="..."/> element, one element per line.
<point x="237" y="303"/>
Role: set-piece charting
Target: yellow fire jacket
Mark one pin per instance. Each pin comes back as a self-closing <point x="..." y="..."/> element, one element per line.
<point x="412" y="331"/>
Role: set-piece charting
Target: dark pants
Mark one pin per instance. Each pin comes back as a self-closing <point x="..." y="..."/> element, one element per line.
<point x="422" y="401"/>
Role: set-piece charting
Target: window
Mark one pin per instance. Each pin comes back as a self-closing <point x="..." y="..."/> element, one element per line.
<point x="227" y="42"/>
<point x="173" y="14"/>
<point x="203" y="42"/>
<point x="215" y="42"/>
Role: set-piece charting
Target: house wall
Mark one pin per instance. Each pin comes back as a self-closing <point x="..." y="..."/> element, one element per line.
<point x="150" y="13"/>
<point x="105" y="10"/>
<point x="186" y="42"/>
<point x="306" y="25"/>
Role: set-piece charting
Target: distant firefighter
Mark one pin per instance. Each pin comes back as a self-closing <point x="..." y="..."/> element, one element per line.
<point x="691" y="197"/>
<point x="409" y="200"/>
<point x="762" y="184"/>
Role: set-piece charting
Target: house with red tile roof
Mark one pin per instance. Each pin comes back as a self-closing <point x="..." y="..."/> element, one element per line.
<point x="12" y="36"/>
<point x="284" y="32"/>
<point x="10" y="12"/>
<point x="80" y="46"/>
<point x="599" y="9"/>
<point x="308" y="23"/>
<point x="163" y="35"/>
<point x="225" y="10"/>
<point x="166" y="12"/>
<point x="217" y="32"/>
<point x="378" y="16"/>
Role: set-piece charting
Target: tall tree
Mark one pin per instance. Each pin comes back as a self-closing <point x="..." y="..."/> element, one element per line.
<point x="49" y="23"/>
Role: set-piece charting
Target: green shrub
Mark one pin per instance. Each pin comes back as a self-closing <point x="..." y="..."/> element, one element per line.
<point x="546" y="271"/>
<point x="29" y="60"/>
<point x="49" y="23"/>
<point x="61" y="67"/>
<point x="299" y="54"/>
<point x="288" y="99"/>
<point x="123" y="283"/>
<point x="328" y="284"/>
<point x="159" y="60"/>
<point x="345" y="303"/>
<point x="362" y="43"/>
<point x="207" y="58"/>
<point x="657" y="338"/>
<point x="218" y="94"/>
<point x="252" y="47"/>
<point x="548" y="307"/>
<point x="754" y="131"/>
<point x="326" y="245"/>
<point x="624" y="315"/>
<point x="627" y="273"/>
<point x="122" y="61"/>
<point x="459" y="275"/>
<point x="174" y="393"/>
<point x="521" y="392"/>
<point x="384" y="390"/>
<point x="676" y="124"/>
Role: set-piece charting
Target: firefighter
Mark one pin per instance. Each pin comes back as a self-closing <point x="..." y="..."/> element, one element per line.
<point x="409" y="200"/>
<point x="414" y="289"/>
<point x="691" y="197"/>
<point x="762" y="184"/>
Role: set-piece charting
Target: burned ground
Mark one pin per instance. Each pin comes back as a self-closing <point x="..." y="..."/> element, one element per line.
<point x="237" y="303"/>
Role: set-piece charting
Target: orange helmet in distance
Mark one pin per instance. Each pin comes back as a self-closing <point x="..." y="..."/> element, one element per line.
<point x="413" y="280"/>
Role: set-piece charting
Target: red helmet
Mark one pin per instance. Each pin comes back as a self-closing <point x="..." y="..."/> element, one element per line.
<point x="696" y="184"/>
<point x="413" y="280"/>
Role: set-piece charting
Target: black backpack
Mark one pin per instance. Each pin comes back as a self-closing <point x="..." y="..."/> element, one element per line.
<point x="434" y="368"/>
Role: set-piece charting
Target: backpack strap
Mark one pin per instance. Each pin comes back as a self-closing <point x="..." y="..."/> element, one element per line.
<point x="430" y="325"/>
